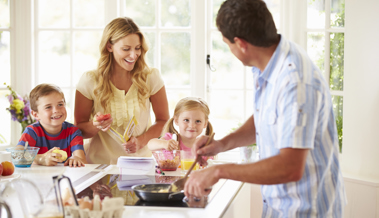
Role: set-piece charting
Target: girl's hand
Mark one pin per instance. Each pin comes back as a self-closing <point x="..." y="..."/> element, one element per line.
<point x="102" y="122"/>
<point x="74" y="162"/>
<point x="49" y="158"/>
<point x="172" y="145"/>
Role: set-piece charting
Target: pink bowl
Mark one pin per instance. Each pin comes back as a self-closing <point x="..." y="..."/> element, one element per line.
<point x="167" y="160"/>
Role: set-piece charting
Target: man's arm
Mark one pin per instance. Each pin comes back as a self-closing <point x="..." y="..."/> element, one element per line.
<point x="243" y="136"/>
<point x="287" y="166"/>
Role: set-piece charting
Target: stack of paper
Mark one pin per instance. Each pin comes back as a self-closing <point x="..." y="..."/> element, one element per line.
<point x="136" y="165"/>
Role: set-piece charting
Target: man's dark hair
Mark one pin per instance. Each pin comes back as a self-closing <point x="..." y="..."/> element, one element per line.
<point x="249" y="20"/>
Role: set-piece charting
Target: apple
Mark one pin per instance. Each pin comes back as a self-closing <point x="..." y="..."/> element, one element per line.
<point x="1" y="169"/>
<point x="8" y="168"/>
<point x="61" y="152"/>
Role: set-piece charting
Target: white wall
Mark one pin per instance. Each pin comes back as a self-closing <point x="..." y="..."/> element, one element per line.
<point x="360" y="155"/>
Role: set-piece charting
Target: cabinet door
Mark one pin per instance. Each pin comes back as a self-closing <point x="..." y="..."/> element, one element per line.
<point x="240" y="206"/>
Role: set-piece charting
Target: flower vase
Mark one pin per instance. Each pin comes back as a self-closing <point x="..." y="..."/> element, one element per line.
<point x="249" y="154"/>
<point x="23" y="127"/>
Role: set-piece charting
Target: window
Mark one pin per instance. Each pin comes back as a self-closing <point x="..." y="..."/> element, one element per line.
<point x="67" y="37"/>
<point x="325" y="45"/>
<point x="5" y="71"/>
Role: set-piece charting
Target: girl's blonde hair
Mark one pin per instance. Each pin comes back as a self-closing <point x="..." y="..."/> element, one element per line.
<point x="188" y="104"/>
<point x="114" y="31"/>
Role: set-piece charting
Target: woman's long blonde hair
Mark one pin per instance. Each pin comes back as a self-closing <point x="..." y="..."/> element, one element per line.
<point x="114" y="31"/>
<point x="188" y="104"/>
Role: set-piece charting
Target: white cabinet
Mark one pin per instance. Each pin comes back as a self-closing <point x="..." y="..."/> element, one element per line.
<point x="362" y="198"/>
<point x="240" y="206"/>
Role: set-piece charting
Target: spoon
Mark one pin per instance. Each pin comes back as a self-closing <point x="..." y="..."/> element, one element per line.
<point x="178" y="185"/>
<point x="27" y="155"/>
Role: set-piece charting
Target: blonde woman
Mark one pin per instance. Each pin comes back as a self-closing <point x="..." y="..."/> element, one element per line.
<point x="122" y="86"/>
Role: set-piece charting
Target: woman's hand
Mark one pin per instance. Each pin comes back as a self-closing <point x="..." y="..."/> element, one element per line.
<point x="134" y="144"/>
<point x="172" y="145"/>
<point x="102" y="122"/>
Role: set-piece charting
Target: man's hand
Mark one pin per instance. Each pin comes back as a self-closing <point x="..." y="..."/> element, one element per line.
<point x="74" y="161"/>
<point x="213" y="148"/>
<point x="200" y="181"/>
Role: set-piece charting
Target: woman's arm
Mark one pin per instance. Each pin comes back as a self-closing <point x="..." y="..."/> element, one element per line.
<point x="160" y="109"/>
<point x="82" y="114"/>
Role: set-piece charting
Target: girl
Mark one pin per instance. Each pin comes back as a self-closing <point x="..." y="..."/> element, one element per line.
<point x="191" y="116"/>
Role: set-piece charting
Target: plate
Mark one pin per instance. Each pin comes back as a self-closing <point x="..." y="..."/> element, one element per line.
<point x="9" y="178"/>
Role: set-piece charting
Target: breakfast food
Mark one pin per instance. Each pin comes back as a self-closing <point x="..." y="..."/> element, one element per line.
<point x="169" y="164"/>
<point x="102" y="117"/>
<point x="8" y="168"/>
<point x="61" y="152"/>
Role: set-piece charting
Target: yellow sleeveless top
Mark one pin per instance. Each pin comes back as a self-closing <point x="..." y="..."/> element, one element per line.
<point x="104" y="148"/>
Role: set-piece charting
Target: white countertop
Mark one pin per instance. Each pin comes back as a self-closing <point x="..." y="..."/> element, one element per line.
<point x="224" y="193"/>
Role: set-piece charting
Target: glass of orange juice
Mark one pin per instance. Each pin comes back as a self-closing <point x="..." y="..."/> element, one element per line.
<point x="187" y="159"/>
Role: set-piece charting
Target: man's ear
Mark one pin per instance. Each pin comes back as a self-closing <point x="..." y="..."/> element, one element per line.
<point x="241" y="44"/>
<point x="35" y="114"/>
<point x="109" y="47"/>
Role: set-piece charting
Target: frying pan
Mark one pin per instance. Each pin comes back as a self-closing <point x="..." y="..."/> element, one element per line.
<point x="156" y="192"/>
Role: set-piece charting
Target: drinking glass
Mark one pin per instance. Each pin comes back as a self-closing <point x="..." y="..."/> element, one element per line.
<point x="186" y="159"/>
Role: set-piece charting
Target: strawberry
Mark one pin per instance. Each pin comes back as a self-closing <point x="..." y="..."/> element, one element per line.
<point x="102" y="117"/>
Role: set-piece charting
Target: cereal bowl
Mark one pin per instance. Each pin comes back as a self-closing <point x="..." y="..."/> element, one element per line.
<point x="17" y="156"/>
<point x="167" y="160"/>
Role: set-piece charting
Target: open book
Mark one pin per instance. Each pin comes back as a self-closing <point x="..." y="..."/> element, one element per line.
<point x="128" y="131"/>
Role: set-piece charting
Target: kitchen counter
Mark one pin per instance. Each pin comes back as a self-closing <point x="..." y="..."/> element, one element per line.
<point x="223" y="192"/>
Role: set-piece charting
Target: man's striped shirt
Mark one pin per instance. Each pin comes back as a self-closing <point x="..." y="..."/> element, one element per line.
<point x="293" y="109"/>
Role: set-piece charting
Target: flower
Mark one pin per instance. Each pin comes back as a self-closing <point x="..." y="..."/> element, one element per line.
<point x="18" y="105"/>
<point x="19" y="109"/>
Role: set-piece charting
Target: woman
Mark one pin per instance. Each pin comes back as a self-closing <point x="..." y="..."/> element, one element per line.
<point x="122" y="85"/>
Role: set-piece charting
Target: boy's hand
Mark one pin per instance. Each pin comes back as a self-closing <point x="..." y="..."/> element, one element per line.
<point x="74" y="161"/>
<point x="49" y="158"/>
<point x="102" y="122"/>
<point x="172" y="145"/>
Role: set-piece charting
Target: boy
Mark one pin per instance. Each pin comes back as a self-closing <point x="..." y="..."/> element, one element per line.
<point x="51" y="131"/>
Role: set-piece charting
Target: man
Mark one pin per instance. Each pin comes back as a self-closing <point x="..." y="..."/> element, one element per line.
<point x="293" y="122"/>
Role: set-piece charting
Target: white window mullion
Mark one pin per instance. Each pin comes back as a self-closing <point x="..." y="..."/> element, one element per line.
<point x="112" y="9"/>
<point x="327" y="42"/>
<point x="21" y="54"/>
<point x="158" y="36"/>
<point x="208" y="71"/>
<point x="72" y="61"/>
<point x="198" y="48"/>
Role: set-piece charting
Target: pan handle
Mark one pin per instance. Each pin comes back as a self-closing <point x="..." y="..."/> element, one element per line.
<point x="174" y="193"/>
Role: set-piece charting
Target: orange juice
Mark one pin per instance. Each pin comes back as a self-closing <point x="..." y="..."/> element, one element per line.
<point x="187" y="163"/>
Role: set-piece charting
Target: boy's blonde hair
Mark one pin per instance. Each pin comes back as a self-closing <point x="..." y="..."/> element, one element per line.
<point x="43" y="90"/>
<point x="114" y="31"/>
<point x="188" y="104"/>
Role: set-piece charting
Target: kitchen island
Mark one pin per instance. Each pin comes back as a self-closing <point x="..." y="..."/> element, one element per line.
<point x="222" y="201"/>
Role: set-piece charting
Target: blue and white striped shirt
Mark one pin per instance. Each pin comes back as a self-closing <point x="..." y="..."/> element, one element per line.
<point x="294" y="110"/>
